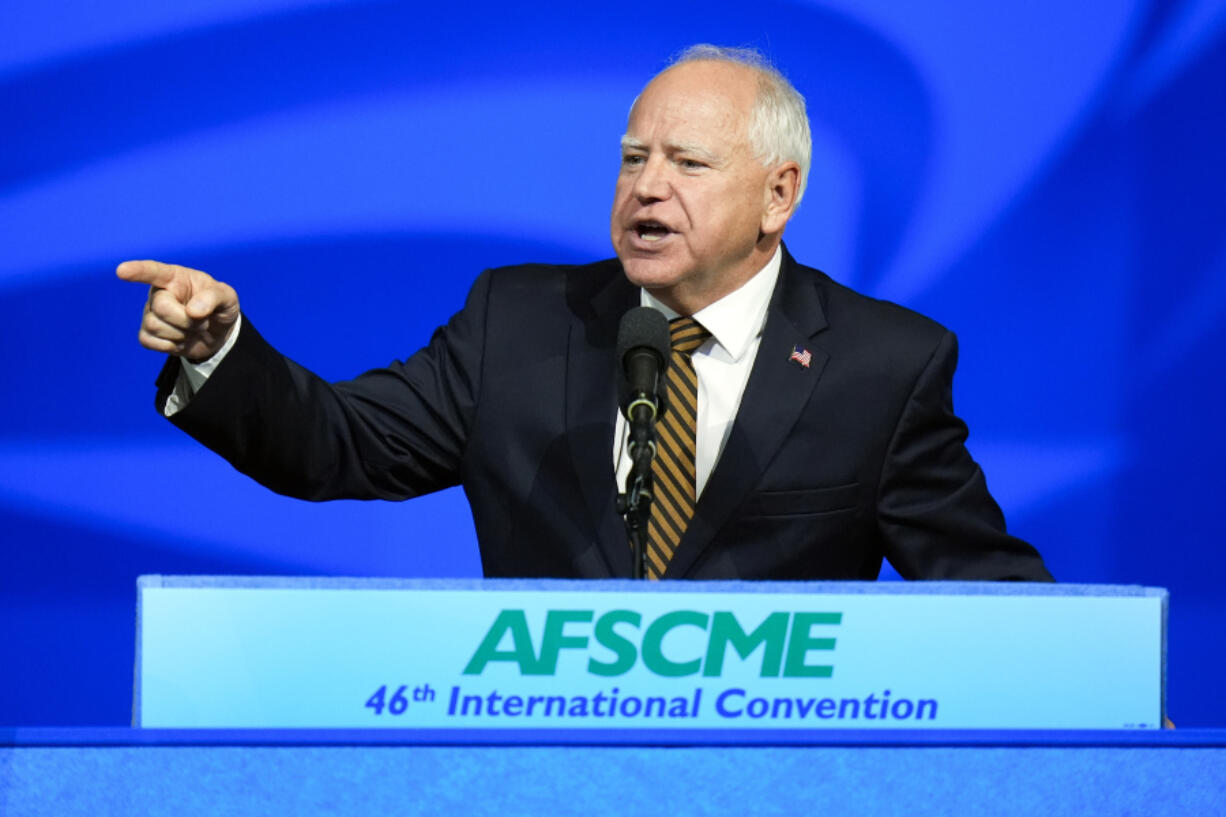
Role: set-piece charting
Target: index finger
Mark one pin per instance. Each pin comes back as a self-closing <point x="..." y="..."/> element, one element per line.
<point x="154" y="273"/>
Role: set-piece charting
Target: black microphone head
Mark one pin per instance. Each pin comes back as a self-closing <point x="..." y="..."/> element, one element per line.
<point x="643" y="326"/>
<point x="644" y="347"/>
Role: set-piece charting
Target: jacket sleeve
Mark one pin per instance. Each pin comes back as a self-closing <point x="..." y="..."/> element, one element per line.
<point x="937" y="519"/>
<point x="391" y="433"/>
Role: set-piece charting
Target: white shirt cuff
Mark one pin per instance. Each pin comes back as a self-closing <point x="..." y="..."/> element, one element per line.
<point x="192" y="376"/>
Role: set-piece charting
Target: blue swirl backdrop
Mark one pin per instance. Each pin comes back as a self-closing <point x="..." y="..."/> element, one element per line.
<point x="1046" y="178"/>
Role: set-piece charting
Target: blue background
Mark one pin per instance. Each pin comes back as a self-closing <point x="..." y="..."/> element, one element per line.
<point x="1045" y="178"/>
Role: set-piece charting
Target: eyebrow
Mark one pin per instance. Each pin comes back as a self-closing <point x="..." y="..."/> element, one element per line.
<point x="631" y="143"/>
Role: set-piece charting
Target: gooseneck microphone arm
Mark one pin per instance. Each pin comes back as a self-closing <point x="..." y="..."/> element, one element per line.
<point x="643" y="350"/>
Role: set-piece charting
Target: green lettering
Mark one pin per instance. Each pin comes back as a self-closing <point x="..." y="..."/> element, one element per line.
<point x="653" y="653"/>
<point x="801" y="641"/>
<point x="607" y="637"/>
<point x="726" y="630"/>
<point x="521" y="652"/>
<point x="555" y="637"/>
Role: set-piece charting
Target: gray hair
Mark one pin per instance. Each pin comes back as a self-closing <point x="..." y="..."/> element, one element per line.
<point x="778" y="123"/>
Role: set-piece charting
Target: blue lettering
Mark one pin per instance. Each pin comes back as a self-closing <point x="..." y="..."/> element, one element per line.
<point x="723" y="710"/>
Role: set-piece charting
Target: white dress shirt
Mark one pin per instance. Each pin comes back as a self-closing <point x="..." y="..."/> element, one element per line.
<point x="722" y="363"/>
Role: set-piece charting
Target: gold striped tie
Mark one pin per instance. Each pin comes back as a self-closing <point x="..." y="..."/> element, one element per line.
<point x="672" y="470"/>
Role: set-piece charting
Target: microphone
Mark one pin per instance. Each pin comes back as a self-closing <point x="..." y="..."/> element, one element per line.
<point x="643" y="348"/>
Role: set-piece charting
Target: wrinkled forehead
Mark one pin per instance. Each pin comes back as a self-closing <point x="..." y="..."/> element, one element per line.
<point x="695" y="102"/>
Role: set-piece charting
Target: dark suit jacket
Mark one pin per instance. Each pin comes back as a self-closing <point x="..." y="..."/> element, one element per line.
<point x="827" y="468"/>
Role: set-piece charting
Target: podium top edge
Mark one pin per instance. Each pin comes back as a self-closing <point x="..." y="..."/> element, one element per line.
<point x="934" y="588"/>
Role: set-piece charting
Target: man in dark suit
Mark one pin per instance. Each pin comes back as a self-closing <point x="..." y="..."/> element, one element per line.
<point x="823" y="436"/>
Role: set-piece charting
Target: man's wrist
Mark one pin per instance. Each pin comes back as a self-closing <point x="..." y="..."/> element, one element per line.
<point x="196" y="373"/>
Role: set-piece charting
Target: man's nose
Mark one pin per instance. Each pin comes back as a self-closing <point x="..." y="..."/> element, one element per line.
<point x="652" y="183"/>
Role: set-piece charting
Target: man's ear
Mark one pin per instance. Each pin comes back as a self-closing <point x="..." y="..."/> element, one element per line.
<point x="782" y="187"/>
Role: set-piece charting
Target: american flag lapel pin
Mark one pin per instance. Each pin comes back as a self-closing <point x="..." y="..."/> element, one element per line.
<point x="801" y="355"/>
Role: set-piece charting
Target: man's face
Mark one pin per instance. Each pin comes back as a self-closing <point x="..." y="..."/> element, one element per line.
<point x="691" y="196"/>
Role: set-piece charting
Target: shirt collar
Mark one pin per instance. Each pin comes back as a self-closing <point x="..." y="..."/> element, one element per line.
<point x="738" y="317"/>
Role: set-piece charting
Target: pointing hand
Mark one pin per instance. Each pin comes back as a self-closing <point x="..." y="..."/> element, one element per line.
<point x="188" y="313"/>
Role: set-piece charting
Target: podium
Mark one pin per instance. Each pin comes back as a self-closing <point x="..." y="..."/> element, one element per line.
<point x="339" y="696"/>
<point x="614" y="657"/>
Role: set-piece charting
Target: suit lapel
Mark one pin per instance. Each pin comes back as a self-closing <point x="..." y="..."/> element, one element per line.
<point x="597" y="303"/>
<point x="774" y="396"/>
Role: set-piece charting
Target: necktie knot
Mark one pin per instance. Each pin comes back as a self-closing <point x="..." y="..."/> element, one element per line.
<point x="687" y="334"/>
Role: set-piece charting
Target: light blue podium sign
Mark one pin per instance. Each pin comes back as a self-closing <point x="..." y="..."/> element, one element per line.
<point x="618" y="656"/>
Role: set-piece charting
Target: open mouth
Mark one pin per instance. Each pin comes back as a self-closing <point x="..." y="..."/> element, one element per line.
<point x="651" y="230"/>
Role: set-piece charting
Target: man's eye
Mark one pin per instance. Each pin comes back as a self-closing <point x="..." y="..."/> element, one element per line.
<point x="692" y="164"/>
<point x="632" y="159"/>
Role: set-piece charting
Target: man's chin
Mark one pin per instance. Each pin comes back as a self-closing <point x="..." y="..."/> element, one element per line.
<point x="651" y="273"/>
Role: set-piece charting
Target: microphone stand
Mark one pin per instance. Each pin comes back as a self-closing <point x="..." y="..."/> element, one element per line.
<point x="635" y="503"/>
<point x="644" y="349"/>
